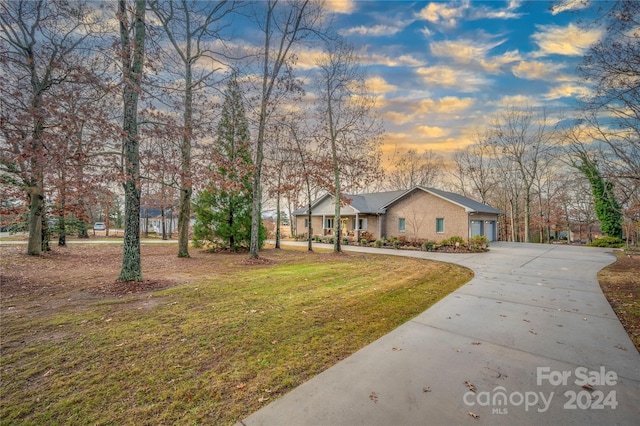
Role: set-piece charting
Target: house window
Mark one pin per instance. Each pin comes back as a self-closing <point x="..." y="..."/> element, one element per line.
<point x="328" y="223"/>
<point x="440" y="225"/>
<point x="402" y="225"/>
<point x="306" y="222"/>
<point x="361" y="224"/>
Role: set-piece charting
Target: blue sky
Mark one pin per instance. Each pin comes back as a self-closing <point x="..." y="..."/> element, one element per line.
<point x="440" y="70"/>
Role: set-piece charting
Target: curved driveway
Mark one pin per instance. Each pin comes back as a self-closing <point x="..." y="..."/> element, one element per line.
<point x="525" y="333"/>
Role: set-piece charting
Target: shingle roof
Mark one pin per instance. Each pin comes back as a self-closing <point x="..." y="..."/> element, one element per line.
<point x="467" y="203"/>
<point x="373" y="203"/>
<point x="377" y="202"/>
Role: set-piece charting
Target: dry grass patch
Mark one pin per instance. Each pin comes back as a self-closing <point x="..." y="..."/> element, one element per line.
<point x="205" y="340"/>
<point x="620" y="283"/>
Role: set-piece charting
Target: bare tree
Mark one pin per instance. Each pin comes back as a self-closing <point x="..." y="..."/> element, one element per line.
<point x="132" y="38"/>
<point x="38" y="43"/>
<point x="192" y="28"/>
<point x="412" y="169"/>
<point x="521" y="137"/>
<point x="612" y="68"/>
<point x="284" y="24"/>
<point x="348" y="126"/>
<point x="475" y="169"/>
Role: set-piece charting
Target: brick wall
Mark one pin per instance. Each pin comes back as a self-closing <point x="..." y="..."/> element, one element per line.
<point x="420" y="210"/>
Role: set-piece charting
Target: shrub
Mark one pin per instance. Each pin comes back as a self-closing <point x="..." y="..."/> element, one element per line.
<point x="397" y="244"/>
<point x="428" y="245"/>
<point x="364" y="242"/>
<point x="456" y="239"/>
<point x="479" y="242"/>
<point x="613" y="242"/>
<point x="378" y="243"/>
<point x="445" y="243"/>
<point x="367" y="236"/>
<point x="345" y="241"/>
<point x="417" y="242"/>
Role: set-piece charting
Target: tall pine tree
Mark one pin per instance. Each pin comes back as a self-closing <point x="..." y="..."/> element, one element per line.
<point x="223" y="211"/>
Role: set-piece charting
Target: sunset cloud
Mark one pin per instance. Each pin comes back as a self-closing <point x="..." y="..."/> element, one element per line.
<point x="398" y="118"/>
<point x="465" y="51"/>
<point x="378" y="84"/>
<point x="536" y="70"/>
<point x="443" y="13"/>
<point x="447" y="105"/>
<point x="375" y="30"/>
<point x="400" y="61"/>
<point x="569" y="40"/>
<point x="563" y="6"/>
<point x="341" y="6"/>
<point x="462" y="80"/>
<point x="431" y="132"/>
<point x="567" y="90"/>
<point x="519" y="100"/>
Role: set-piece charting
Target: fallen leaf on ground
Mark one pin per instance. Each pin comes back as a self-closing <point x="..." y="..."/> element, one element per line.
<point x="397" y="349"/>
<point x="427" y="389"/>
<point x="621" y="347"/>
<point x="241" y="386"/>
<point x="474" y="415"/>
<point x="476" y="343"/>
<point x="470" y="385"/>
<point x="533" y="332"/>
<point x="588" y="386"/>
<point x="374" y="397"/>
<point x="263" y="399"/>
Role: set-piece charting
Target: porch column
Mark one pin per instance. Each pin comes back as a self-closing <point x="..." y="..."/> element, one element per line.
<point x="324" y="218"/>
<point x="357" y="228"/>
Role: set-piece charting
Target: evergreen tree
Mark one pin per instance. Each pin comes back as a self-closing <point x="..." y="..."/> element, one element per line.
<point x="607" y="208"/>
<point x="223" y="211"/>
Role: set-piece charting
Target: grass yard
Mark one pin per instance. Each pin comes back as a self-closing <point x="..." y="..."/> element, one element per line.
<point x="205" y="340"/>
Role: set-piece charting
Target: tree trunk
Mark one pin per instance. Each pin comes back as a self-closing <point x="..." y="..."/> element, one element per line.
<point x="186" y="185"/>
<point x="256" y="210"/>
<point x="36" y="208"/>
<point x="336" y="174"/>
<point x="164" y="226"/>
<point x="36" y="192"/>
<point x="133" y="56"/>
<point x="278" y="218"/>
<point x="309" y="227"/>
<point x="62" y="228"/>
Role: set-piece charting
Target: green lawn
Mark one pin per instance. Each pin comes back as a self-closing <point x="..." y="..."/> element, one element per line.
<point x="209" y="349"/>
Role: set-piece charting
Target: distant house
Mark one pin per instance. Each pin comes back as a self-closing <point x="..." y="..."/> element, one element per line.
<point x="418" y="213"/>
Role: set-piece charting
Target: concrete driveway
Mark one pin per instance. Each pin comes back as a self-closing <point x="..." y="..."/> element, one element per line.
<point x="513" y="346"/>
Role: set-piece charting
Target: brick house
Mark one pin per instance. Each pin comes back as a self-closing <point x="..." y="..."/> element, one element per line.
<point x="419" y="213"/>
